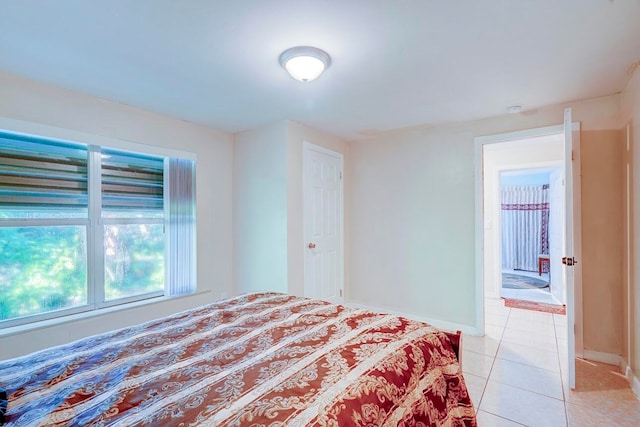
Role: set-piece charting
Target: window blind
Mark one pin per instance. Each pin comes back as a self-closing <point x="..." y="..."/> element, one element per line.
<point x="42" y="173"/>
<point x="131" y="181"/>
<point x="182" y="224"/>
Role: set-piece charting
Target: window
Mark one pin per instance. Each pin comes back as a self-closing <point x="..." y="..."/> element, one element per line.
<point x="84" y="227"/>
<point x="133" y="223"/>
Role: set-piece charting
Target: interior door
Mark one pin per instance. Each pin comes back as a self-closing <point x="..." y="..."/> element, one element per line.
<point x="569" y="258"/>
<point x="323" y="224"/>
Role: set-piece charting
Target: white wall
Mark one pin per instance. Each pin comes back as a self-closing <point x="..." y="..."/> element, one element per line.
<point x="31" y="104"/>
<point x="533" y="152"/>
<point x="412" y="204"/>
<point x="260" y="209"/>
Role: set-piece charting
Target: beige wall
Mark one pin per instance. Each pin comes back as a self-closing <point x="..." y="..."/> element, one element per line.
<point x="30" y="104"/>
<point x="630" y="106"/>
<point x="412" y="233"/>
<point x="412" y="204"/>
<point x="601" y="154"/>
<point x="260" y="209"/>
<point x="410" y="194"/>
<point x="268" y="215"/>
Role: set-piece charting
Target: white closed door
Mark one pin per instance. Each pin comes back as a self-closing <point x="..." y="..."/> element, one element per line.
<point x="323" y="223"/>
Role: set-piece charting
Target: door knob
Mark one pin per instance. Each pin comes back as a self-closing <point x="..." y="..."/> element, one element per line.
<point x="311" y="245"/>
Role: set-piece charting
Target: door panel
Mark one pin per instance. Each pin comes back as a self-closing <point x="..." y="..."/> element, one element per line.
<point x="573" y="246"/>
<point x="323" y="224"/>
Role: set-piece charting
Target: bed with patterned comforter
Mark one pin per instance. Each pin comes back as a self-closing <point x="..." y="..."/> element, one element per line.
<point x="256" y="360"/>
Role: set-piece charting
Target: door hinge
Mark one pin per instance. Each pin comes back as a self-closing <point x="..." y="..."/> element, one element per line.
<point x="569" y="261"/>
<point x="340" y="174"/>
<point x="340" y="293"/>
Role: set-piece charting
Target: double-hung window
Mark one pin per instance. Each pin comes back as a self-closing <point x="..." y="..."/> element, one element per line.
<point x="85" y="226"/>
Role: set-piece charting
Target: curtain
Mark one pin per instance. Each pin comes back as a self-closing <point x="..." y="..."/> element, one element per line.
<point x="181" y="223"/>
<point x="525" y="225"/>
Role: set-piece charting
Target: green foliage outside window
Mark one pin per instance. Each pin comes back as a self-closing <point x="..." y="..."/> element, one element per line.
<point x="44" y="269"/>
<point x="41" y="269"/>
<point x="134" y="259"/>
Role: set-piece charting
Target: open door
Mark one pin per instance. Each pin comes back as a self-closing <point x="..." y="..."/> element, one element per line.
<point x="572" y="242"/>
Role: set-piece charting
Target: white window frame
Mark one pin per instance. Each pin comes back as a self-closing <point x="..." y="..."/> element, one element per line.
<point x="94" y="223"/>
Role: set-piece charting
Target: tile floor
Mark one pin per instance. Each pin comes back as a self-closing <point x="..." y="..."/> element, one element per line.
<point x="516" y="375"/>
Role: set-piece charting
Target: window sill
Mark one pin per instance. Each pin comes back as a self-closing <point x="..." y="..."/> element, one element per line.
<point x="42" y="324"/>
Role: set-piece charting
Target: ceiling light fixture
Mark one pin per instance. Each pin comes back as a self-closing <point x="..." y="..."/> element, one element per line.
<point x="305" y="63"/>
<point x="514" y="109"/>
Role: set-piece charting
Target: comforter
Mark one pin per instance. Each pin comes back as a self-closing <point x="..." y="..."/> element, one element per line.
<point x="260" y="359"/>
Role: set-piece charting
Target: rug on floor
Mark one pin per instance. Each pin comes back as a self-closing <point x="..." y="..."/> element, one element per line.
<point x="537" y="306"/>
<point x="516" y="281"/>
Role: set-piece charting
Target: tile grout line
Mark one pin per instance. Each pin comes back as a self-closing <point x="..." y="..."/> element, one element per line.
<point x="540" y="394"/>
<point x="506" y="419"/>
<point x="564" y="396"/>
<point x="530" y="366"/>
<point x="528" y="391"/>
<point x="495" y="356"/>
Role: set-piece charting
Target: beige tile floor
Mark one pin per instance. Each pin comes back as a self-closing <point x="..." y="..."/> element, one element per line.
<point x="516" y="375"/>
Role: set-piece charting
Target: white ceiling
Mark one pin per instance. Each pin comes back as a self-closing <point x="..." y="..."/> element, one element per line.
<point x="394" y="64"/>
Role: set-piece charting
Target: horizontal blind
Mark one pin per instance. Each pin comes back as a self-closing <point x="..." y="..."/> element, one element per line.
<point x="37" y="172"/>
<point x="131" y="181"/>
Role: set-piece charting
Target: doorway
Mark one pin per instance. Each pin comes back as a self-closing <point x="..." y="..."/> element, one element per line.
<point x="487" y="179"/>
<point x="516" y="163"/>
<point x="531" y="231"/>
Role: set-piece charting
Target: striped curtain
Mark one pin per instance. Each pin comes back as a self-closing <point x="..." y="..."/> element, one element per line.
<point x="525" y="225"/>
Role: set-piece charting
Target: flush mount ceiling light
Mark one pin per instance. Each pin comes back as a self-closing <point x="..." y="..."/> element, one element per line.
<point x="514" y="109"/>
<point x="305" y="63"/>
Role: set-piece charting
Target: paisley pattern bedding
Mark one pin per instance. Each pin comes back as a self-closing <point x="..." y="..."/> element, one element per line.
<point x="256" y="360"/>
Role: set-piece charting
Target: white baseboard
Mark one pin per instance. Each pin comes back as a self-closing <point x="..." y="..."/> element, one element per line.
<point x="635" y="384"/>
<point x="440" y="324"/>
<point x="631" y="377"/>
<point x="598" y="356"/>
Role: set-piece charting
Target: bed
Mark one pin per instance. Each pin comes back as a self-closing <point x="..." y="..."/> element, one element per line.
<point x="261" y="359"/>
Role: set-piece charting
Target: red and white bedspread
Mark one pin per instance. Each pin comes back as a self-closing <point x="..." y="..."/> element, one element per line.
<point x="256" y="360"/>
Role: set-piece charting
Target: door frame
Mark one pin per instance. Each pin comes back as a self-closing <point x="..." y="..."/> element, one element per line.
<point x="574" y="300"/>
<point x="306" y="147"/>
